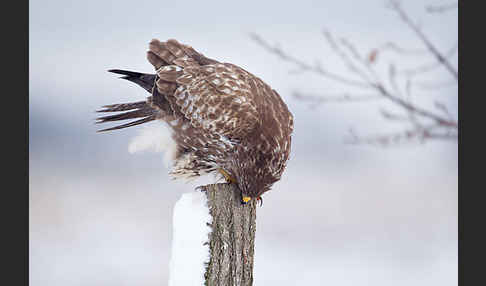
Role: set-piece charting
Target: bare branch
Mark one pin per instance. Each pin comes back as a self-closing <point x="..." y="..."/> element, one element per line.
<point x="408" y="136"/>
<point x="392" y="116"/>
<point x="344" y="97"/>
<point x="445" y="136"/>
<point x="430" y="66"/>
<point x="441" y="8"/>
<point x="415" y="109"/>
<point x="441" y="106"/>
<point x="358" y="58"/>
<point x="344" y="57"/>
<point x="392" y="77"/>
<point x="425" y="124"/>
<point x="394" y="97"/>
<point x="306" y="67"/>
<point x="406" y="19"/>
<point x="378" y="85"/>
<point x="390" y="46"/>
<point x="436" y="85"/>
<point x="408" y="89"/>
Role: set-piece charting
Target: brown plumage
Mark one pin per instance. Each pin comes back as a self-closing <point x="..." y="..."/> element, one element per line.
<point x="222" y="117"/>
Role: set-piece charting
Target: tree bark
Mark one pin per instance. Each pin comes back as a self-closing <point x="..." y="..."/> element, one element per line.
<point x="232" y="240"/>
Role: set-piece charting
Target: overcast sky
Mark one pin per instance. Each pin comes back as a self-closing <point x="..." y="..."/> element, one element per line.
<point x="341" y="215"/>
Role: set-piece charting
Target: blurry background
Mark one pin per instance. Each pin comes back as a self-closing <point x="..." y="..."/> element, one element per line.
<point x="341" y="215"/>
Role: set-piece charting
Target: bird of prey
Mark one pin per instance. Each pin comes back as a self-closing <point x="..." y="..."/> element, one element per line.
<point x="222" y="118"/>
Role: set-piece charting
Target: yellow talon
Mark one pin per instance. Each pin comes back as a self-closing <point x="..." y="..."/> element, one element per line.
<point x="228" y="178"/>
<point x="246" y="199"/>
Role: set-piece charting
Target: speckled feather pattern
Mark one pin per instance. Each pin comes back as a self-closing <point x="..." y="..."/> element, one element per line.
<point x="221" y="117"/>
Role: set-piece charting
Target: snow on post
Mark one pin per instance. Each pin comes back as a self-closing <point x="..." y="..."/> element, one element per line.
<point x="213" y="238"/>
<point x="190" y="250"/>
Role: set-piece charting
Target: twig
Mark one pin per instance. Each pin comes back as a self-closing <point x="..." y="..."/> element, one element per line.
<point x="304" y="66"/>
<point x="421" y="134"/>
<point x="396" y="6"/>
<point x="344" y="97"/>
<point x="441" y="8"/>
<point x="390" y="46"/>
<point x="428" y="67"/>
<point x="435" y="85"/>
<point x="345" y="58"/>
<point x="415" y="109"/>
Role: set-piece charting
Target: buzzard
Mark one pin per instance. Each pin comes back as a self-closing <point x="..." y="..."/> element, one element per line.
<point x="223" y="119"/>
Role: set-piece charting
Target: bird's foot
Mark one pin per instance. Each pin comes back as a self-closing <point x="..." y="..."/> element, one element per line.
<point x="227" y="176"/>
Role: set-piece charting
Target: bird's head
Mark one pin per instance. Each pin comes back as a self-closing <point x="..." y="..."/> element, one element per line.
<point x="255" y="175"/>
<point x="252" y="187"/>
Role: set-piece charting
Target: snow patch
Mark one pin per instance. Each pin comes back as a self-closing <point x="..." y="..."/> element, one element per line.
<point x="157" y="138"/>
<point x="190" y="232"/>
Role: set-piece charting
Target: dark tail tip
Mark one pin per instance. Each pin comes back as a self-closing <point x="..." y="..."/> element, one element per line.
<point x="146" y="81"/>
<point x="125" y="72"/>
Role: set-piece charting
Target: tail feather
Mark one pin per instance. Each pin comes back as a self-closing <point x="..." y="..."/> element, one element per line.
<point x="160" y="54"/>
<point x="144" y="80"/>
<point x="135" y="110"/>
<point x="127" y="115"/>
<point x="133" y="123"/>
<point x="140" y="109"/>
<point x="123" y="106"/>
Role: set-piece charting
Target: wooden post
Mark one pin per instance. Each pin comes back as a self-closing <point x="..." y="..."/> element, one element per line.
<point x="232" y="240"/>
